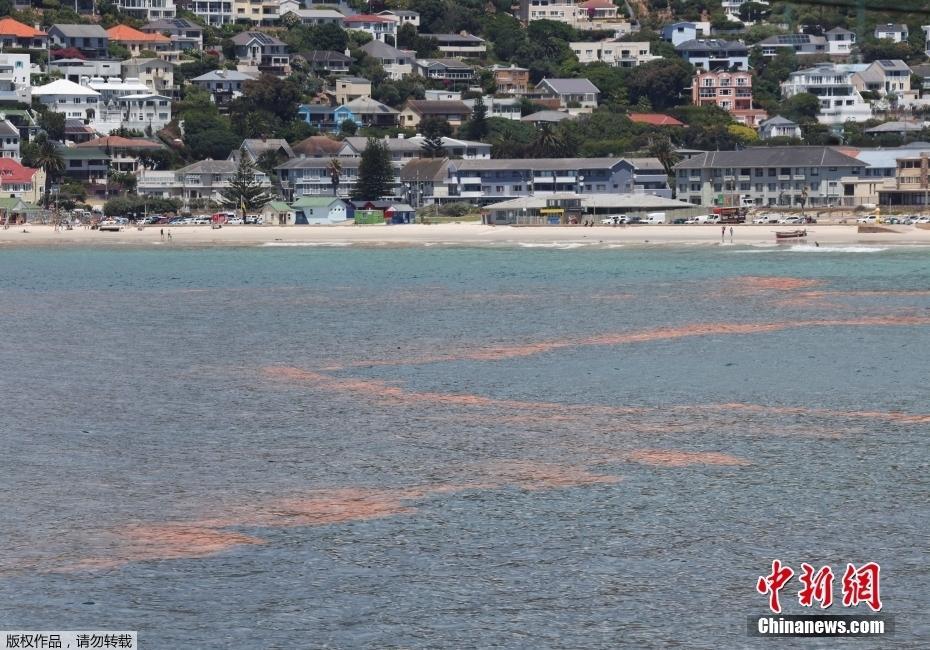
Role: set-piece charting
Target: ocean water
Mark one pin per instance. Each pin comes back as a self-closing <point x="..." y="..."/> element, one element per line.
<point x="509" y="447"/>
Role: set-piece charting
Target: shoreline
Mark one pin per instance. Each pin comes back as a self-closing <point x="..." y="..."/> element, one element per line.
<point x="465" y="235"/>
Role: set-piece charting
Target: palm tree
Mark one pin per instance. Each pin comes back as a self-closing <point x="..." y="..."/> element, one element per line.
<point x="50" y="160"/>
<point x="661" y="147"/>
<point x="549" y="143"/>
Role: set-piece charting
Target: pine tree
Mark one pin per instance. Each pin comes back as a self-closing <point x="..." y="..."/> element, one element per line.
<point x="433" y="130"/>
<point x="478" y="125"/>
<point x="245" y="191"/>
<point x="375" y="172"/>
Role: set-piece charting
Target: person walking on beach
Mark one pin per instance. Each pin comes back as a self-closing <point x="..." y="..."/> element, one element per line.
<point x="731" y="234"/>
<point x="169" y="235"/>
<point x="162" y="234"/>
<point x="723" y="232"/>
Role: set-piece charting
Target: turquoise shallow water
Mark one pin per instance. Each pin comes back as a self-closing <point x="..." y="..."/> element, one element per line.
<point x="455" y="447"/>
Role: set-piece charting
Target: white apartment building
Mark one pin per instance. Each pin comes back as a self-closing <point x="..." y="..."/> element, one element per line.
<point x="840" y="41"/>
<point x="615" y="53"/>
<point x="840" y="101"/>
<point x="15" y="85"/>
<point x="148" y="9"/>
<point x="75" y="101"/>
<point x="213" y="12"/>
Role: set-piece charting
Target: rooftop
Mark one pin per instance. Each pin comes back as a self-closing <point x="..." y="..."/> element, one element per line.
<point x="10" y="27"/>
<point x="655" y="119"/>
<point x="438" y="107"/>
<point x="132" y="35"/>
<point x="569" y="86"/>
<point x="803" y="156"/>
<point x="81" y="31"/>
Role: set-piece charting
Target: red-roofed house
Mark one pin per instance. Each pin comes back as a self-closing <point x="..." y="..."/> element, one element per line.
<point x="655" y="119"/>
<point x="137" y="42"/>
<point x="381" y="28"/>
<point x="599" y="9"/>
<point x="15" y="34"/>
<point x="125" y="153"/>
<point x="24" y="183"/>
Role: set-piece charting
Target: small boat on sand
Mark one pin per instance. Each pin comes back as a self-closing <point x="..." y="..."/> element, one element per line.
<point x="790" y="234"/>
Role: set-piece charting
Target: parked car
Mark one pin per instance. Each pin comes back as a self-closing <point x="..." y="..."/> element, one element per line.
<point x="922" y="220"/>
<point x="791" y="220"/>
<point x="235" y="221"/>
<point x="253" y="219"/>
<point x="867" y="220"/>
<point x="614" y="220"/>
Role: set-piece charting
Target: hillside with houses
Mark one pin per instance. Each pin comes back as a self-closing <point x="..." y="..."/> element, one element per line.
<point x="308" y="112"/>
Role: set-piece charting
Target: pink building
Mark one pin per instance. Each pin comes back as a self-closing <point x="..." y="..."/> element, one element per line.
<point x="731" y="91"/>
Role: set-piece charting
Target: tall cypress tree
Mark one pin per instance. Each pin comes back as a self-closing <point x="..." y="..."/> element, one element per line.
<point x="375" y="172"/>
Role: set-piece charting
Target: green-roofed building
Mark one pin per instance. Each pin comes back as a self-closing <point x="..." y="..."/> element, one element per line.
<point x="14" y="211"/>
<point x="278" y="213"/>
<point x="319" y="210"/>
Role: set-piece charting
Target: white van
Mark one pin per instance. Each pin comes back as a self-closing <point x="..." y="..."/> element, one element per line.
<point x="654" y="218"/>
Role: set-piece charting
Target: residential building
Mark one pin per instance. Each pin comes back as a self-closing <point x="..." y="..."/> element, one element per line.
<point x="326" y="62"/>
<point x="892" y="31"/>
<point x="125" y="153"/>
<point x="767" y="176"/>
<point x="678" y="33"/>
<point x="349" y="88"/>
<point x="886" y="77"/>
<point x="714" y="54"/>
<point x="185" y="34"/>
<point x="621" y="54"/>
<point x="459" y="46"/>
<point x="20" y="182"/>
<point x="450" y="70"/>
<point x="318" y="146"/>
<point x="147" y="9"/>
<point x="926" y="30"/>
<point x="364" y="111"/>
<point x="77" y="130"/>
<point x="800" y="44"/>
<point x="317" y="16"/>
<point x="223" y="85"/>
<point x="319" y="210"/>
<point x="402" y="17"/>
<point x="91" y="40"/>
<point x="731" y="91"/>
<point x="840" y="41"/>
<point x="380" y="28"/>
<point x="511" y="80"/>
<point x="207" y="179"/>
<point x="599" y="15"/>
<point x="404" y="149"/>
<point x="312" y="176"/>
<point x="213" y="12"/>
<point x="16" y="35"/>
<point x="897" y="127"/>
<point x="138" y="42"/>
<point x="563" y="11"/>
<point x="454" y="112"/>
<point x="255" y="148"/>
<point x="546" y="118"/>
<point x="507" y="108"/>
<point x="277" y="213"/>
<point x="911" y="185"/>
<point x="922" y="71"/>
<point x="257" y="11"/>
<point x="779" y="127"/>
<point x="15" y="80"/>
<point x="156" y="74"/>
<point x="840" y="101"/>
<point x="571" y="93"/>
<point x="396" y="63"/>
<point x="654" y="119"/>
<point x="265" y="52"/>
<point x="436" y="95"/>
<point x="80" y="70"/>
<point x="86" y="164"/>
<point x="9" y="140"/>
<point x="130" y="104"/>
<point x="63" y="96"/>
<point x="486" y="181"/>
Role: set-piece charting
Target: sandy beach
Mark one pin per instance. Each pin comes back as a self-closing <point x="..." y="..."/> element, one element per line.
<point x="457" y="234"/>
